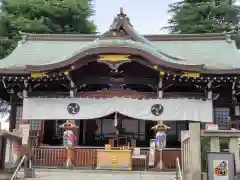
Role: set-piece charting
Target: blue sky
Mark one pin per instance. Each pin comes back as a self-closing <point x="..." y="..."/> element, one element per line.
<point x="147" y="16"/>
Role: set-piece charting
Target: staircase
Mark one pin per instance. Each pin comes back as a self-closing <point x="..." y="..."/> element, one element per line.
<point x="60" y="174"/>
<point x="66" y="174"/>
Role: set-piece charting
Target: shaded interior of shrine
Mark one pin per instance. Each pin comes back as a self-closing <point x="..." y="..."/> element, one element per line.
<point x="134" y="79"/>
<point x="96" y="79"/>
<point x="131" y="76"/>
<point x="120" y="129"/>
<point x="99" y="77"/>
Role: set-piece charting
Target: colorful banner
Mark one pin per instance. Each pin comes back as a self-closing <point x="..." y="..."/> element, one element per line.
<point x="68" y="138"/>
<point x="220" y="168"/>
<point x="161" y="140"/>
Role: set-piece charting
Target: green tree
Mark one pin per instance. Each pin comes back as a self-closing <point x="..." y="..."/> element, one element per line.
<point x="43" y="16"/>
<point x="203" y="16"/>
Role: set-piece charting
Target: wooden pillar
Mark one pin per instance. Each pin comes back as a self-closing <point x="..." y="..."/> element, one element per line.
<point x="195" y="147"/>
<point x="209" y="90"/>
<point x="214" y="144"/>
<point x="72" y="91"/>
<point x="25" y="89"/>
<point x="84" y="132"/>
<point x="13" y="113"/>
<point x="72" y="94"/>
<point x="235" y="107"/>
<point x="160" y="88"/>
<point x="234" y="148"/>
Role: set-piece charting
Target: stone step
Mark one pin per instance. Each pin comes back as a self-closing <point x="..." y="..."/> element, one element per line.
<point x="5" y="175"/>
<point x="63" y="174"/>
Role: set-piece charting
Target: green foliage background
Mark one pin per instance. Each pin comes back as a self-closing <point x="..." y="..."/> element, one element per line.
<point x="203" y="16"/>
<point x="43" y="16"/>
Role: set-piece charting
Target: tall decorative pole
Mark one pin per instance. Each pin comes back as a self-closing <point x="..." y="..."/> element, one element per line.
<point x="69" y="141"/>
<point x="161" y="129"/>
<point x="116" y="123"/>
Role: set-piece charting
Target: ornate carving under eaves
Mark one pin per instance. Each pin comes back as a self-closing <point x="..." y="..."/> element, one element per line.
<point x="116" y="87"/>
<point x="114" y="61"/>
<point x="11" y="86"/>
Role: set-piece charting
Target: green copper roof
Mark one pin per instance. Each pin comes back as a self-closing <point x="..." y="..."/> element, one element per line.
<point x="49" y="49"/>
<point x="49" y="52"/>
<point x="214" y="53"/>
<point x="40" y="52"/>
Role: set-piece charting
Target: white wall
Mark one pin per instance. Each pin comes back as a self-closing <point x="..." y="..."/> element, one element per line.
<point x="4" y="126"/>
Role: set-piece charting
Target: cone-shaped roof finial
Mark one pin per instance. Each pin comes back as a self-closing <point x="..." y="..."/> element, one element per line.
<point x="121" y="10"/>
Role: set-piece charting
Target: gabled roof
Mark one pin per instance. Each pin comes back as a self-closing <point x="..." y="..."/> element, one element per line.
<point x="206" y="53"/>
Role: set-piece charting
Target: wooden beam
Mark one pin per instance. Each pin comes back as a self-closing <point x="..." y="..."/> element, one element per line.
<point x="184" y="95"/>
<point x="109" y="94"/>
<point x="47" y="94"/>
<point x="124" y="80"/>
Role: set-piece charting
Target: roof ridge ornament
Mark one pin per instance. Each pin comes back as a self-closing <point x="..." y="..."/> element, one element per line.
<point x="121" y="10"/>
<point x="121" y="13"/>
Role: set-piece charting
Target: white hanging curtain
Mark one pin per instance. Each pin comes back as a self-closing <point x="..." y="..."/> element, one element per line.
<point x="172" y="109"/>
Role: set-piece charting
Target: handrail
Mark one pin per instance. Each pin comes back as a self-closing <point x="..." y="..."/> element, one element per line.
<point x="98" y="147"/>
<point x="178" y="170"/>
<point x="18" y="167"/>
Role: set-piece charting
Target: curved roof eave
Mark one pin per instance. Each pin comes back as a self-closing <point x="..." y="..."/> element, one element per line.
<point x="114" y="48"/>
<point x="15" y="71"/>
<point x="151" y="58"/>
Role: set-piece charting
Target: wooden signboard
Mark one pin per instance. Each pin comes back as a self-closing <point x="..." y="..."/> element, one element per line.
<point x="25" y="129"/>
<point x="114" y="159"/>
<point x="211" y="126"/>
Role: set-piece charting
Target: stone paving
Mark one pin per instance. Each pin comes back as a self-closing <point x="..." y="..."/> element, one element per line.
<point x="57" y="174"/>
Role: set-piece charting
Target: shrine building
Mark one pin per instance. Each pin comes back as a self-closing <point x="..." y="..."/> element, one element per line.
<point x="120" y="83"/>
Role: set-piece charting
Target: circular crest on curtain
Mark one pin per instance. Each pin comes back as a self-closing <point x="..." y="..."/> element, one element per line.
<point x="73" y="108"/>
<point x="157" y="109"/>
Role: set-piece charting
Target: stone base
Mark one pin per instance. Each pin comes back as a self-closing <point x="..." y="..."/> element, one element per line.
<point x="29" y="173"/>
<point x="5" y="175"/>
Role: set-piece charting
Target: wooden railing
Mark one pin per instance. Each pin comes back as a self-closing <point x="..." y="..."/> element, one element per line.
<point x="186" y="154"/>
<point x="86" y="157"/>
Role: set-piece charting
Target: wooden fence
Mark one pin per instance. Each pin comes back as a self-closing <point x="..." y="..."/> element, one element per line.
<point x="86" y="157"/>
